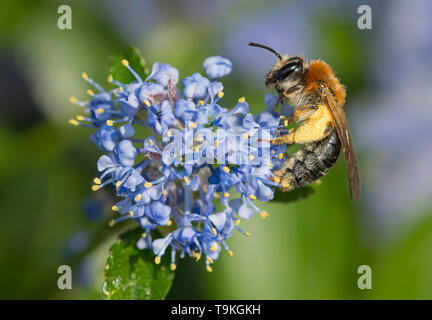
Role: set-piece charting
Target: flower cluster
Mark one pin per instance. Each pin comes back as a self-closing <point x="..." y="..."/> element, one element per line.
<point x="199" y="173"/>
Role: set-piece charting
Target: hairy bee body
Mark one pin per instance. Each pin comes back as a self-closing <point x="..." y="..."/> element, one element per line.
<point x="310" y="163"/>
<point x="317" y="97"/>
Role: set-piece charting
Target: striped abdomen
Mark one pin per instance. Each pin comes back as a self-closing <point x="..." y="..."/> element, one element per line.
<point x="310" y="163"/>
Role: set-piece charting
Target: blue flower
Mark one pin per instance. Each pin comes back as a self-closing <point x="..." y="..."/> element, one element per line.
<point x="217" y="67"/>
<point x="163" y="73"/>
<point x="195" y="86"/>
<point x="201" y="153"/>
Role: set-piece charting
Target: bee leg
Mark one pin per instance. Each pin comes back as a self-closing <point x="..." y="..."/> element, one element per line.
<point x="279" y="100"/>
<point x="285" y="139"/>
<point x="304" y="112"/>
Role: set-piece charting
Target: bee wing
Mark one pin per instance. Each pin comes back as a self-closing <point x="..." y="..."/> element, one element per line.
<point x="345" y="138"/>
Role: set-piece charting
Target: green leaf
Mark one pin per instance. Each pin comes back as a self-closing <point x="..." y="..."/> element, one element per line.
<point x="132" y="273"/>
<point x="296" y="194"/>
<point x="136" y="61"/>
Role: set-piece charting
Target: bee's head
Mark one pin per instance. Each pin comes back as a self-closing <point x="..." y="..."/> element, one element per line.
<point x="288" y="72"/>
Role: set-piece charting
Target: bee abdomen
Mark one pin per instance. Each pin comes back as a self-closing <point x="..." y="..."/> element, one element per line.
<point x="310" y="163"/>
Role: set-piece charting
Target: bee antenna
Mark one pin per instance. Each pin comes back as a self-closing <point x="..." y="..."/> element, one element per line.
<point x="254" y="44"/>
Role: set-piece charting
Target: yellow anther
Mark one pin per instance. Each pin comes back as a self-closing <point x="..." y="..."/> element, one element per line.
<point x="280" y="156"/>
<point x="186" y="180"/>
<point x="214" y="231"/>
<point x="276" y="179"/>
<point x="193" y="124"/>
<point x="263" y="215"/>
<point x="73" y="122"/>
<point x="226" y="169"/>
<point x="95" y="187"/>
<point x="114" y="208"/>
<point x="118" y="184"/>
<point x="169" y="133"/>
<point x="252" y="197"/>
<point x="269" y="165"/>
<point x="157" y="260"/>
<point x="245" y="135"/>
<point x="216" y="143"/>
<point x="72" y="100"/>
<point x="173" y="266"/>
<point x="143" y="235"/>
<point x="226" y="194"/>
<point x="97" y="181"/>
<point x="80" y="118"/>
<point x="90" y="92"/>
<point x="230" y="253"/>
<point x="247" y="234"/>
<point x="100" y="110"/>
<point x="120" y="89"/>
<point x="109" y="123"/>
<point x="282" y="117"/>
<point x="110" y="78"/>
<point x="220" y="94"/>
<point x="84" y="76"/>
<point x="147" y="103"/>
<point x="169" y="223"/>
<point x="251" y="157"/>
<point x="242" y="99"/>
<point x="130" y="213"/>
<point x="196" y="148"/>
<point x="209" y="269"/>
<point x="237" y="222"/>
<point x="148" y="184"/>
<point x="138" y="197"/>
<point x="216" y="196"/>
<point x="200" y="102"/>
<point x="164" y="192"/>
<point x="214" y="247"/>
<point x="151" y="142"/>
<point x="125" y="62"/>
<point x="111" y="223"/>
<point x="210" y="260"/>
<point x="286" y="123"/>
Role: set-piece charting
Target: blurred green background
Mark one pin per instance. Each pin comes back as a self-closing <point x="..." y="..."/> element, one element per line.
<point x="307" y="250"/>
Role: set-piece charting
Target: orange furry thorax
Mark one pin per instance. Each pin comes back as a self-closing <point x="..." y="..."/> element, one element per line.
<point x="321" y="71"/>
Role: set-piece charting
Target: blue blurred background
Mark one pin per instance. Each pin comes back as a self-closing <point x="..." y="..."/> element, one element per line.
<point x="307" y="250"/>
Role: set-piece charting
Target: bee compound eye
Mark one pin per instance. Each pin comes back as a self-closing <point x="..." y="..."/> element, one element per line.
<point x="288" y="69"/>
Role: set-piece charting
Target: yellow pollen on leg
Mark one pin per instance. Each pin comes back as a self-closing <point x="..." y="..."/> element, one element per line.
<point x="242" y="99"/>
<point x="173" y="266"/>
<point x="97" y="181"/>
<point x="148" y="184"/>
<point x="125" y="62"/>
<point x="84" y="76"/>
<point x="114" y="208"/>
<point x="157" y="260"/>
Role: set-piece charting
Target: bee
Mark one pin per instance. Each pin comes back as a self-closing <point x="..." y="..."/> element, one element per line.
<point x="317" y="97"/>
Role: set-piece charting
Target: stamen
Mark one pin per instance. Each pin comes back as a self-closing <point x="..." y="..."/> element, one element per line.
<point x="95" y="187"/>
<point x="97" y="181"/>
<point x="280" y="156"/>
<point x="226" y="169"/>
<point x="276" y="179"/>
<point x="100" y="110"/>
<point x="130" y="213"/>
<point x="210" y="260"/>
<point x="73" y="122"/>
<point x="111" y="223"/>
<point x="230" y="253"/>
<point x="114" y="208"/>
<point x="147" y="103"/>
<point x="157" y="260"/>
<point x="126" y="64"/>
<point x="169" y="223"/>
<point x="242" y="99"/>
<point x="220" y="94"/>
<point x="138" y="197"/>
<point x="118" y="184"/>
<point x="226" y="194"/>
<point x="110" y="78"/>
<point x="148" y="184"/>
<point x="84" y="76"/>
<point x="186" y="180"/>
<point x="209" y="269"/>
<point x="109" y="123"/>
<point x="200" y="102"/>
<point x="143" y="235"/>
<point x="252" y="197"/>
<point x="90" y="92"/>
<point x="214" y="231"/>
<point x="73" y="100"/>
<point x="173" y="266"/>
<point x="214" y="247"/>
<point x="251" y="157"/>
<point x="193" y="124"/>
<point x="245" y="136"/>
<point x="80" y="118"/>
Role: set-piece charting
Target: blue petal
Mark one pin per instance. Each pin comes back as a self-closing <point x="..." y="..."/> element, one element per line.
<point x="125" y="153"/>
<point x="104" y="163"/>
<point x="162" y="73"/>
<point x="217" y="66"/>
<point x="160" y="245"/>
